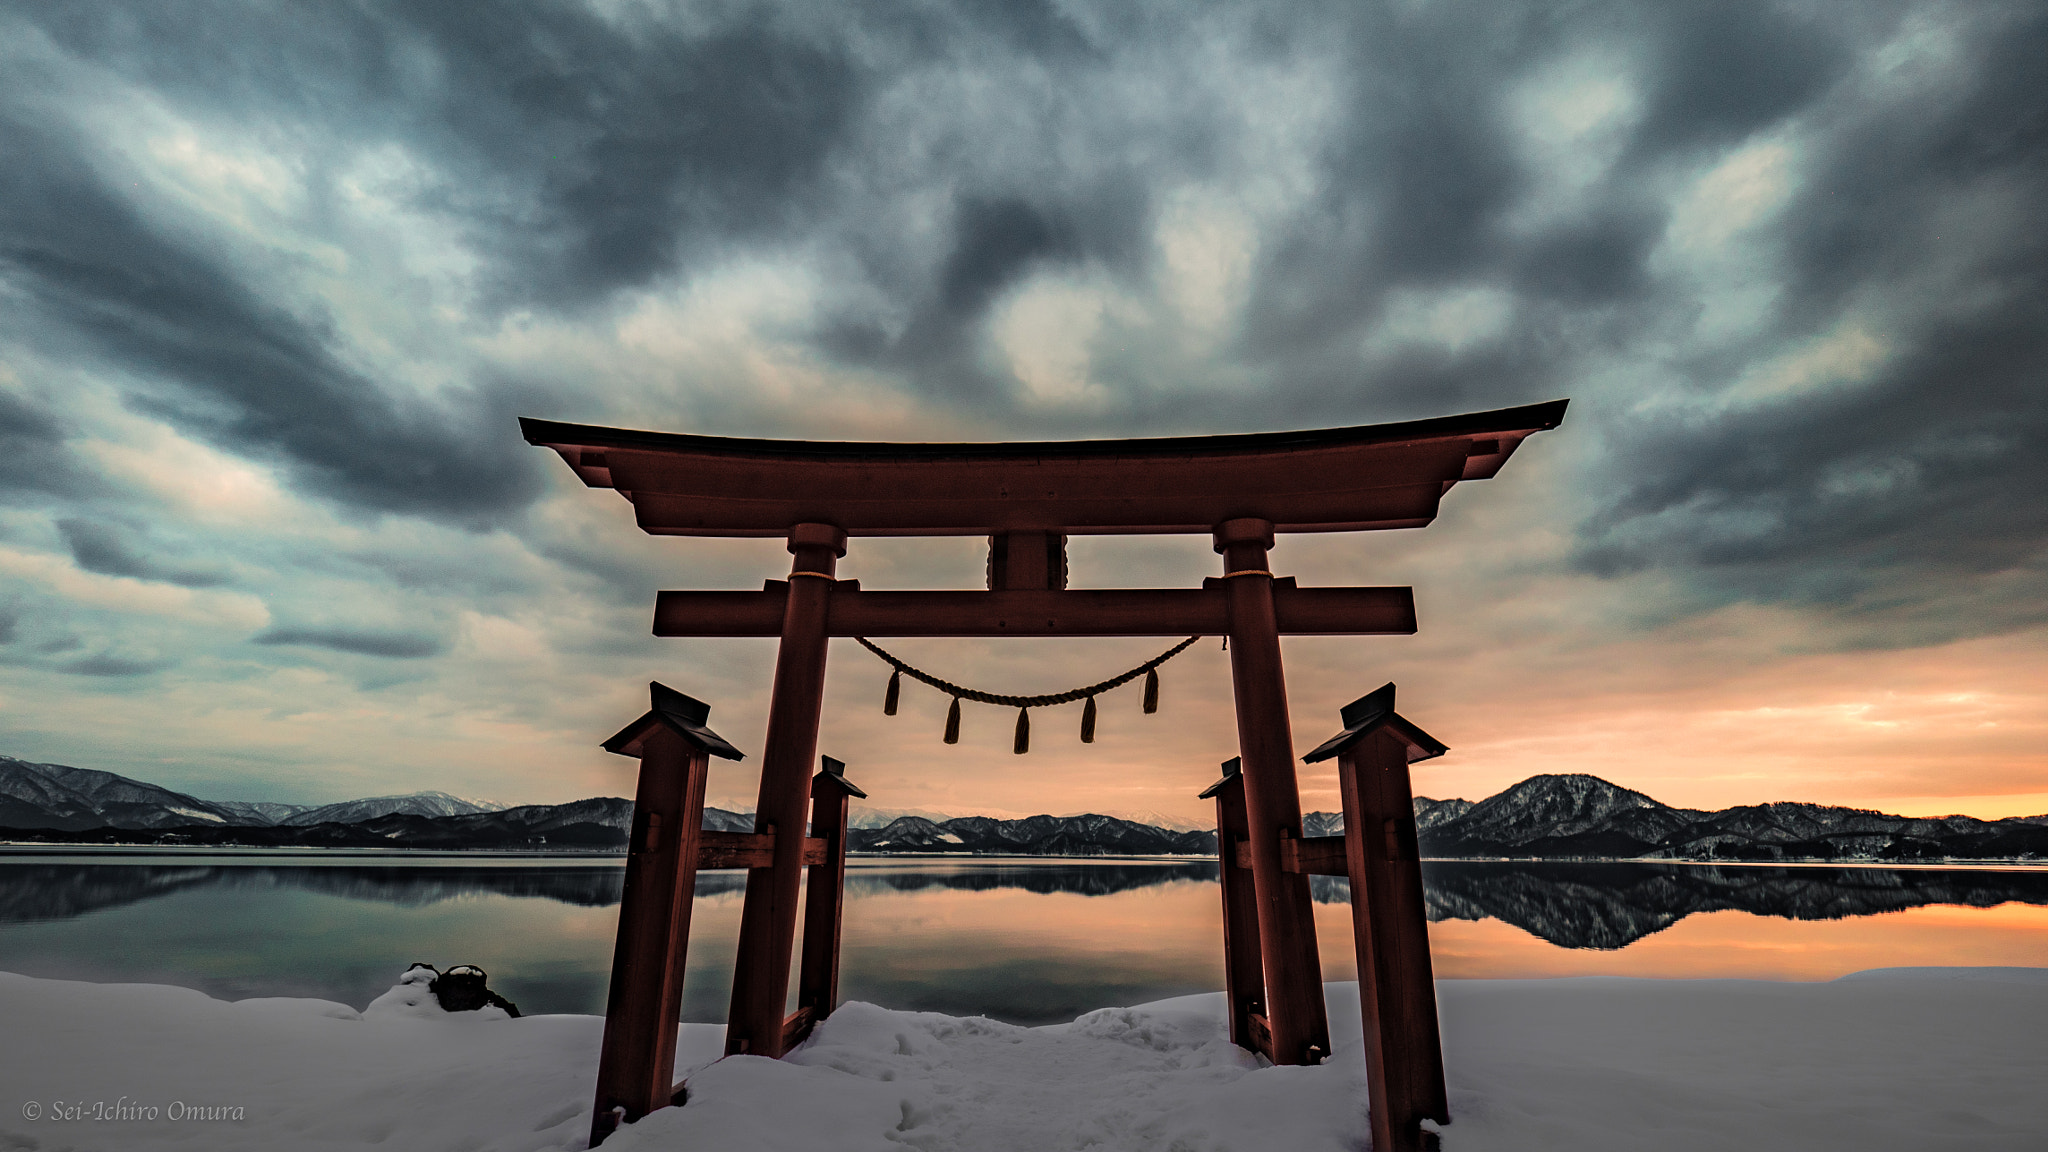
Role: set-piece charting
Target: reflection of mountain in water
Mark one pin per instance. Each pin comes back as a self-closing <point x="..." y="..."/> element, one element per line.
<point x="1079" y="879"/>
<point x="1572" y="905"/>
<point x="1614" y="905"/>
<point x="61" y="891"/>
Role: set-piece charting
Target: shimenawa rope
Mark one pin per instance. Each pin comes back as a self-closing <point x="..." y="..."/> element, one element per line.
<point x="1023" y="704"/>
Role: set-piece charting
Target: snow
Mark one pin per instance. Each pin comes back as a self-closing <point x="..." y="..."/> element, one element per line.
<point x="1880" y="1061"/>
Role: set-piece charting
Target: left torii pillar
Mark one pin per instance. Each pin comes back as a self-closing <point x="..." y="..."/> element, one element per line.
<point x="637" y="1061"/>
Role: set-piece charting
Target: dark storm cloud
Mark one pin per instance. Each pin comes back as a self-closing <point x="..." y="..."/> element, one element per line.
<point x="115" y="666"/>
<point x="628" y="146"/>
<point x="1925" y="481"/>
<point x="995" y="243"/>
<point x="585" y="154"/>
<point x="584" y="157"/>
<point x="391" y="645"/>
<point x="1422" y="182"/>
<point x="247" y="374"/>
<point x="113" y="551"/>
<point x="32" y="455"/>
<point x="936" y="160"/>
<point x="1722" y="71"/>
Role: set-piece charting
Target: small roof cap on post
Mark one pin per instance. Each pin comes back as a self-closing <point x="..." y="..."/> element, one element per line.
<point x="1368" y="714"/>
<point x="835" y="771"/>
<point x="1232" y="769"/>
<point x="680" y="714"/>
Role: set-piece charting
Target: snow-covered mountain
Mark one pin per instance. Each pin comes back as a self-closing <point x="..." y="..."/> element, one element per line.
<point x="862" y="816"/>
<point x="62" y="797"/>
<point x="1154" y="819"/>
<point x="261" y="811"/>
<point x="1580" y="816"/>
<point x="371" y="807"/>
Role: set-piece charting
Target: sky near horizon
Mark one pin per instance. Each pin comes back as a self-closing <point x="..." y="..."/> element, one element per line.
<point x="276" y="282"/>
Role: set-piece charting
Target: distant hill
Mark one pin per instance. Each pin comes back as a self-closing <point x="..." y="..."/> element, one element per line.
<point x="1087" y="835"/>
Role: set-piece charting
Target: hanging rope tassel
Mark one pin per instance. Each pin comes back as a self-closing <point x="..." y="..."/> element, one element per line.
<point x="1151" y="691"/>
<point x="1023" y="732"/>
<point x="953" y="722"/>
<point x="895" y="689"/>
<point x="1088" y="722"/>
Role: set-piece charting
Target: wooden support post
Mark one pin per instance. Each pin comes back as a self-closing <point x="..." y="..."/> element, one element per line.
<point x="1404" y="1062"/>
<point x="824" y="900"/>
<point x="1286" y="912"/>
<point x="637" y="1059"/>
<point x="760" y="980"/>
<point x="1244" y="978"/>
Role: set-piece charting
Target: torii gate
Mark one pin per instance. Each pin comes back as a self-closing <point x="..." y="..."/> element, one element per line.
<point x="1027" y="498"/>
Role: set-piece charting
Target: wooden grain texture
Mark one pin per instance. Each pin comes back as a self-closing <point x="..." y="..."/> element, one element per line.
<point x="748" y="850"/>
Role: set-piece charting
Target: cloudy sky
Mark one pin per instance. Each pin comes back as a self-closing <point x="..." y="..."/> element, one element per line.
<point x="276" y="281"/>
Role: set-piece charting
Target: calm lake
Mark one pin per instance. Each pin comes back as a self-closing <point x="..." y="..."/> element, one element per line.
<point x="1028" y="940"/>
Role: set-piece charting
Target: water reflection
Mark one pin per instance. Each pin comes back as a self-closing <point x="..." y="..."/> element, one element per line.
<point x="1608" y="906"/>
<point x="54" y="891"/>
<point x="32" y="892"/>
<point x="1027" y="940"/>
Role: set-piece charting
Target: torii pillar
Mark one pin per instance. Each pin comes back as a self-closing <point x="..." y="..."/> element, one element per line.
<point x="1404" y="1058"/>
<point x="1300" y="1028"/>
<point x="760" y="975"/>
<point x="638" y="1054"/>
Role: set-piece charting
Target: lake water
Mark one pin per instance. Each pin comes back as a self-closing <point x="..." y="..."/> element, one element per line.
<point x="1026" y="940"/>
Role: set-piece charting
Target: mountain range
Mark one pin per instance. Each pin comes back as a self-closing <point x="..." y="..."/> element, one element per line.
<point x="58" y="796"/>
<point x="1585" y="817"/>
<point x="1572" y="817"/>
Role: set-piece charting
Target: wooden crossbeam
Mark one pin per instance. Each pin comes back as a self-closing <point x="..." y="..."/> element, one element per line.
<point x="1085" y="612"/>
<point x="797" y="1025"/>
<point x="1261" y="1035"/>
<point x="748" y="850"/>
<point x="1310" y="855"/>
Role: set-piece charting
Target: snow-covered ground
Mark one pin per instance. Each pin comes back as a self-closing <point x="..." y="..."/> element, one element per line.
<point x="1900" y="1059"/>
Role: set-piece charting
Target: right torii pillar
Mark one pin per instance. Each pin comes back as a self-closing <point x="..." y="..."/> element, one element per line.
<point x="1404" y="1061"/>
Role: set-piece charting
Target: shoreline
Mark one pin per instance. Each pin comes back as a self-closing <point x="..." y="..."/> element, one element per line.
<point x="43" y="850"/>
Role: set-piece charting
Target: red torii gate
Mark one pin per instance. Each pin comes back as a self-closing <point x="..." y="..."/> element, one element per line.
<point x="1026" y="498"/>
